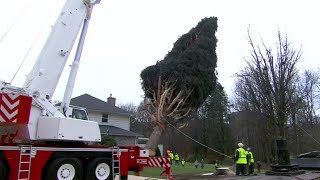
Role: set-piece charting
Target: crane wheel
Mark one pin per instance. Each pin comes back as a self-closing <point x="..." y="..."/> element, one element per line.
<point x="4" y="170"/>
<point x="64" y="169"/>
<point x="99" y="169"/>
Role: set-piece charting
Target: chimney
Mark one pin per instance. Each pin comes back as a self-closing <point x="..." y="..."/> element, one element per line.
<point x="112" y="100"/>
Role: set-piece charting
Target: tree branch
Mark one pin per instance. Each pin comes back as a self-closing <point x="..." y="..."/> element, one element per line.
<point x="175" y="100"/>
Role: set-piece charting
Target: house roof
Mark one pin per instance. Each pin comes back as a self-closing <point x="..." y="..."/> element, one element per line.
<point x="94" y="104"/>
<point x="115" y="131"/>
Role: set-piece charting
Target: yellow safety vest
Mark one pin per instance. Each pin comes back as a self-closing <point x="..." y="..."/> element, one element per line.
<point x="171" y="155"/>
<point x="251" y="158"/>
<point x="177" y="157"/>
<point x="242" y="156"/>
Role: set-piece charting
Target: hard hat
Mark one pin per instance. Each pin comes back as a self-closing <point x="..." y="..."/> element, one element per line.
<point x="248" y="149"/>
<point x="240" y="145"/>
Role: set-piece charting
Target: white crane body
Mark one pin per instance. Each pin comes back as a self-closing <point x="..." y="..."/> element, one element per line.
<point x="46" y="122"/>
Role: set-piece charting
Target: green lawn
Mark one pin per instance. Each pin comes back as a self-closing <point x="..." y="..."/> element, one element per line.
<point x="188" y="168"/>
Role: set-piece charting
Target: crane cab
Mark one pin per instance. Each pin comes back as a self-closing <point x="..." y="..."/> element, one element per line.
<point x="74" y="112"/>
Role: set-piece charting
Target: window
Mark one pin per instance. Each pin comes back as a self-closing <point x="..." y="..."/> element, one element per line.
<point x="79" y="114"/>
<point x="105" y="118"/>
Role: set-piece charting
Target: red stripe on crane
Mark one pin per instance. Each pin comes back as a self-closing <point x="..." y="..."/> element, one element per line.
<point x="159" y="162"/>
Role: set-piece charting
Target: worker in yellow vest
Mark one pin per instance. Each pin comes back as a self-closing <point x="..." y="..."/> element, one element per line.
<point x="171" y="157"/>
<point x="183" y="162"/>
<point x="176" y="157"/>
<point x="240" y="158"/>
<point x="251" y="161"/>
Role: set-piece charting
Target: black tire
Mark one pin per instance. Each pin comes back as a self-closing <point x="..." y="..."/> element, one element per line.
<point x="4" y="170"/>
<point x="105" y="167"/>
<point x="69" y="163"/>
<point x="124" y="178"/>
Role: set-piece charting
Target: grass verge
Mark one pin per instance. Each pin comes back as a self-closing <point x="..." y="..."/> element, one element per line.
<point x="188" y="168"/>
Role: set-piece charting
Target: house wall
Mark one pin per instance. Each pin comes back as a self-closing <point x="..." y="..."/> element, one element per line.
<point x="119" y="121"/>
<point x="94" y="116"/>
<point x="116" y="120"/>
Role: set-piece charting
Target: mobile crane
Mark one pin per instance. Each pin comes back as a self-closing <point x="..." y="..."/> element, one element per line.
<point x="41" y="141"/>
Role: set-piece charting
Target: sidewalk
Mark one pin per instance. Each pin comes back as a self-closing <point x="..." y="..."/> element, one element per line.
<point x="131" y="177"/>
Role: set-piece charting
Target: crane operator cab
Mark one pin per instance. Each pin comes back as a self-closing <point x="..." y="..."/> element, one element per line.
<point x="79" y="113"/>
<point x="75" y="112"/>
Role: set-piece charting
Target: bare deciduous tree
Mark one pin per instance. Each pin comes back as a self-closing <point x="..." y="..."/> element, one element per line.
<point x="267" y="84"/>
<point x="309" y="92"/>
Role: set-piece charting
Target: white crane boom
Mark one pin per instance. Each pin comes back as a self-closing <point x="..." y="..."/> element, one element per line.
<point x="48" y="68"/>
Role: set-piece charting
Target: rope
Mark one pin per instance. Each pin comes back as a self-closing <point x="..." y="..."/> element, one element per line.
<point x="198" y="141"/>
<point x="308" y="134"/>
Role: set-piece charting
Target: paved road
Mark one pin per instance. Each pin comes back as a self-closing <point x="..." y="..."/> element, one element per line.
<point x="307" y="176"/>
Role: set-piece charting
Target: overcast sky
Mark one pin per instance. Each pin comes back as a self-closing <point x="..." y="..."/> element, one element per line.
<point x="126" y="36"/>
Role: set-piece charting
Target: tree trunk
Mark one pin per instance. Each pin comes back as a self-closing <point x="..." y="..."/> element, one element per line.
<point x="154" y="138"/>
<point x="283" y="153"/>
<point x="294" y="121"/>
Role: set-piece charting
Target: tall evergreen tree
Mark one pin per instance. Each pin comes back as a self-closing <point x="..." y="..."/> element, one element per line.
<point x="181" y="82"/>
<point x="214" y="117"/>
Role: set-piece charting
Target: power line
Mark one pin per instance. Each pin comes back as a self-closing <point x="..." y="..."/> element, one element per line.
<point x="32" y="45"/>
<point x="6" y="33"/>
<point x="25" y="57"/>
<point x="14" y="22"/>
